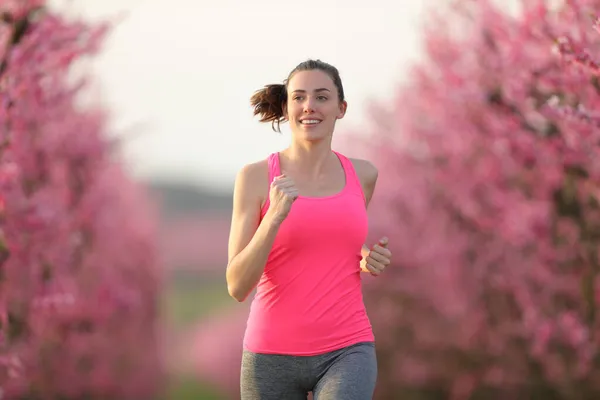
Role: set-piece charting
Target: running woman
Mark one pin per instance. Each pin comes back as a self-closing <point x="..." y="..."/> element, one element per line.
<point x="298" y="232"/>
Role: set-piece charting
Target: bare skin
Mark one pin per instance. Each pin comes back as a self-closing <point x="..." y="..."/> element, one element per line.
<point x="309" y="168"/>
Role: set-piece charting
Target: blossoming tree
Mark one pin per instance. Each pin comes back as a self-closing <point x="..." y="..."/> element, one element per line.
<point x="78" y="276"/>
<point x="489" y="192"/>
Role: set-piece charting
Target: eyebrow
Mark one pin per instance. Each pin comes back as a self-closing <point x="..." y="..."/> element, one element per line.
<point x="316" y="90"/>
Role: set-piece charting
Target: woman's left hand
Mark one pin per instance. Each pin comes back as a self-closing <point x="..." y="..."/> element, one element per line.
<point x="379" y="257"/>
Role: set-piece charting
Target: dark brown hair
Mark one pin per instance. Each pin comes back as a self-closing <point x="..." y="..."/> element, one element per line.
<point x="270" y="101"/>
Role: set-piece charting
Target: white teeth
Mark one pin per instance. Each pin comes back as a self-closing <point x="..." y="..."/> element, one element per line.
<point x="310" y="121"/>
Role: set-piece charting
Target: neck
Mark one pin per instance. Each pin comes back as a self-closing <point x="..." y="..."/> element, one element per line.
<point x="309" y="157"/>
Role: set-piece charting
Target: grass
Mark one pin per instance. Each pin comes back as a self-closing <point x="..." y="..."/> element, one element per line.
<point x="189" y="388"/>
<point x="188" y="298"/>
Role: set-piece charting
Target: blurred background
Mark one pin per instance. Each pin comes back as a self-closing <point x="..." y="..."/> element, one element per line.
<point x="483" y="125"/>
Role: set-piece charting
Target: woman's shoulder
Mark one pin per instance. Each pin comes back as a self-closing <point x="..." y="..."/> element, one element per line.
<point x="366" y="171"/>
<point x="253" y="177"/>
<point x="367" y="174"/>
<point x="254" y="170"/>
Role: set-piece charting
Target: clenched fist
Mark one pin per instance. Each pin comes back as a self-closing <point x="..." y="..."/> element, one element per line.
<point x="282" y="195"/>
<point x="378" y="258"/>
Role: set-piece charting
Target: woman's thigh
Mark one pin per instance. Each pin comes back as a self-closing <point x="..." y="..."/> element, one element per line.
<point x="350" y="374"/>
<point x="272" y="377"/>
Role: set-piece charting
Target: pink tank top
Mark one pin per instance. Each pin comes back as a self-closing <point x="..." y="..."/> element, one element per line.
<point x="309" y="299"/>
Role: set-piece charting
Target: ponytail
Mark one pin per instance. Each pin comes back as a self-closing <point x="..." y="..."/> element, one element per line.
<point x="269" y="103"/>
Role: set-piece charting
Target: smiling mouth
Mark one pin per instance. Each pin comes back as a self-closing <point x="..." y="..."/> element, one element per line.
<point x="310" y="122"/>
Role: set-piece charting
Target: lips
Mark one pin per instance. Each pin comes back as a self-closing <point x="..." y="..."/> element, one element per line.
<point x="309" y="121"/>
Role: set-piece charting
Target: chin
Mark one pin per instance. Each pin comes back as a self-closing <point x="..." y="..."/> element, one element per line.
<point x="313" y="135"/>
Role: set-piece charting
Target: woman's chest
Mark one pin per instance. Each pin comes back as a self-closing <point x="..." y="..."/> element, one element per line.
<point x="339" y="222"/>
<point x="321" y="186"/>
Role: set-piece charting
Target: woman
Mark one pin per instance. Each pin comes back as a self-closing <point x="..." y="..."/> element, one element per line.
<point x="298" y="230"/>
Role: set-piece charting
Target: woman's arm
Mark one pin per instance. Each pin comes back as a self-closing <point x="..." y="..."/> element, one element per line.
<point x="250" y="240"/>
<point x="367" y="174"/>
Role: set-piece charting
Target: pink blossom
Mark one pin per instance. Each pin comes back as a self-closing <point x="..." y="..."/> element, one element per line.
<point x="489" y="173"/>
<point x="78" y="263"/>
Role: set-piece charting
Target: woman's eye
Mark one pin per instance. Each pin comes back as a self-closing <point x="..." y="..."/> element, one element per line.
<point x="298" y="98"/>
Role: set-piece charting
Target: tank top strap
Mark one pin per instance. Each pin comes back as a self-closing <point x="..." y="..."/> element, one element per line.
<point x="274" y="170"/>
<point x="353" y="182"/>
<point x="274" y="167"/>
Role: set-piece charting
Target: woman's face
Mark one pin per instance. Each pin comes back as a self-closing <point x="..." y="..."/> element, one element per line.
<point x="313" y="106"/>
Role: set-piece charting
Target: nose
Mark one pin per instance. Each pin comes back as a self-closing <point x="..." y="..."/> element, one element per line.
<point x="308" y="106"/>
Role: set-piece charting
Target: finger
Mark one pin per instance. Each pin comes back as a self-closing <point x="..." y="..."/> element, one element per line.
<point x="292" y="193"/>
<point x="288" y="189"/>
<point x="379" y="258"/>
<point x="383" y="242"/>
<point x="372" y="270"/>
<point x="379" y="266"/>
<point x="281" y="178"/>
<point x="284" y="183"/>
<point x="382" y="251"/>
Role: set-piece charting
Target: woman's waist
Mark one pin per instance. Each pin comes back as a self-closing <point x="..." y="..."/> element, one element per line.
<point x="265" y="327"/>
<point x="304" y="312"/>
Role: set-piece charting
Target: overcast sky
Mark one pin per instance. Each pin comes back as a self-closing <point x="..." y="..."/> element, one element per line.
<point x="178" y="75"/>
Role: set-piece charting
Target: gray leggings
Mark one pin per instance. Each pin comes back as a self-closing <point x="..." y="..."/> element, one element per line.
<point x="346" y="374"/>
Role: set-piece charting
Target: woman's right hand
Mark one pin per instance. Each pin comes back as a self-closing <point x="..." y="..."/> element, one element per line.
<point x="282" y="195"/>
